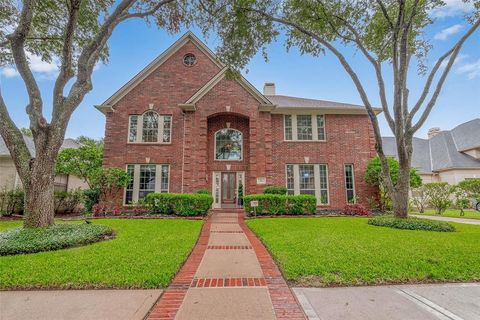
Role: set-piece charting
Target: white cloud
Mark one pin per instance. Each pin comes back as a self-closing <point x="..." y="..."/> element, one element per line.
<point x="447" y="32"/>
<point x="43" y="67"/>
<point x="472" y="70"/>
<point x="9" y="72"/>
<point x="452" y="8"/>
<point x="461" y="57"/>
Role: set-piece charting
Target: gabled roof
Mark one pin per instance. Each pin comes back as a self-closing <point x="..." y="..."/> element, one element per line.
<point x="67" y="144"/>
<point x="444" y="150"/>
<point x="152" y="66"/>
<point x="288" y="103"/>
<point x="189" y="105"/>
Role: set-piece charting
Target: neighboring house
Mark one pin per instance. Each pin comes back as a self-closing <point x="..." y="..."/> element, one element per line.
<point x="9" y="178"/>
<point x="181" y="125"/>
<point x="446" y="156"/>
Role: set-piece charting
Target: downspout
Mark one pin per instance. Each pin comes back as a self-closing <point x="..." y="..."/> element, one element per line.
<point x="183" y="150"/>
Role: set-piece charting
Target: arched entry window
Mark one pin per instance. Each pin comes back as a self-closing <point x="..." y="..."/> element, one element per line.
<point x="228" y="144"/>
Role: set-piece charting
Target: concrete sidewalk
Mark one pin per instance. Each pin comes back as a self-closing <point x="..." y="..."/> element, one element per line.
<point x="77" y="304"/>
<point x="448" y="219"/>
<point x="402" y="302"/>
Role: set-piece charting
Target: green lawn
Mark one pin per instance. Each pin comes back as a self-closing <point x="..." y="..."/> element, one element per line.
<point x="469" y="214"/>
<point x="144" y="254"/>
<point x="348" y="251"/>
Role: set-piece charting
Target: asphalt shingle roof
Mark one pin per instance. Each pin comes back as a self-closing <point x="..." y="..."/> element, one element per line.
<point x="67" y="143"/>
<point x="444" y="150"/>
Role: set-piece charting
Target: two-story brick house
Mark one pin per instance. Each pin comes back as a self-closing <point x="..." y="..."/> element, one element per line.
<point x="181" y="125"/>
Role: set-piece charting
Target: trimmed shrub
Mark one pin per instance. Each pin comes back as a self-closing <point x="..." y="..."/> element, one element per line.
<point x="411" y="224"/>
<point x="277" y="204"/>
<point x="60" y="236"/>
<point x="275" y="190"/>
<point x="181" y="204"/>
<point x="356" y="210"/>
<point x="91" y="197"/>
<point x="11" y="202"/>
<point x="68" y="201"/>
<point x="439" y="196"/>
<point x="203" y="191"/>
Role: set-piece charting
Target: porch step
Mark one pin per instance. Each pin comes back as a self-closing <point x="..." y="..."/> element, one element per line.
<point x="227" y="210"/>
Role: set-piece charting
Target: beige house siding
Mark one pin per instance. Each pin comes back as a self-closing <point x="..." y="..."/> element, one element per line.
<point x="75" y="182"/>
<point x="8" y="174"/>
<point x="454" y="176"/>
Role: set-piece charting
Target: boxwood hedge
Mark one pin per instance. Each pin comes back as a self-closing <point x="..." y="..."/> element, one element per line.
<point x="181" y="204"/>
<point x="276" y="204"/>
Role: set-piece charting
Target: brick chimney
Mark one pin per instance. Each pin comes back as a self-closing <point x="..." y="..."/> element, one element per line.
<point x="432" y="132"/>
<point x="269" y="89"/>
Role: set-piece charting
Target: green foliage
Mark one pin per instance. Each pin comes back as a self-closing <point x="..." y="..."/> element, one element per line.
<point x="277" y="204"/>
<point x="374" y="177"/>
<point x="146" y="253"/>
<point x="109" y="181"/>
<point x="240" y="194"/>
<point x="60" y="236"/>
<point x="68" y="201"/>
<point x="11" y="201"/>
<point x="90" y="142"/>
<point x="472" y="187"/>
<point x="411" y="224"/>
<point x="83" y="162"/>
<point x="203" y="191"/>
<point x="438" y="194"/>
<point x="91" y="197"/>
<point x="420" y="198"/>
<point x="181" y="204"/>
<point x="462" y="199"/>
<point x="275" y="190"/>
<point x="26" y="132"/>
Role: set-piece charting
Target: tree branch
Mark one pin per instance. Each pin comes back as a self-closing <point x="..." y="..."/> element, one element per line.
<point x="145" y="13"/>
<point x="444" y="75"/>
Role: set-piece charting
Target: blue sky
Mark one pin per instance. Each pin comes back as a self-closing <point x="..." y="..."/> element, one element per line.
<point x="133" y="45"/>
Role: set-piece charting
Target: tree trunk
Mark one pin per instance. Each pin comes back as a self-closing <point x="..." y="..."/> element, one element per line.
<point x="39" y="199"/>
<point x="402" y="188"/>
<point x="400" y="202"/>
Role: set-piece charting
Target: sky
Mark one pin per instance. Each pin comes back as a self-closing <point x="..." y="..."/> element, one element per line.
<point x="133" y="45"/>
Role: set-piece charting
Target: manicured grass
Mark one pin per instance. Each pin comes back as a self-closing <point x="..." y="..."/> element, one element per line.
<point x="348" y="251"/>
<point x="455" y="213"/>
<point x="144" y="254"/>
<point x="58" y="236"/>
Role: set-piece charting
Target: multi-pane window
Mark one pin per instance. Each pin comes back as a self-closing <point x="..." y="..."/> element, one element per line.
<point x="304" y="127"/>
<point x="320" y="127"/>
<point x="145" y="179"/>
<point x="323" y="183"/>
<point x="228" y="144"/>
<point x="350" y="183"/>
<point x="167" y="126"/>
<point x="288" y="127"/>
<point x="132" y="134"/>
<point x="164" y="179"/>
<point x="148" y="174"/>
<point x="129" y="188"/>
<point x="307" y="179"/>
<point x="290" y="179"/>
<point x="150" y="128"/>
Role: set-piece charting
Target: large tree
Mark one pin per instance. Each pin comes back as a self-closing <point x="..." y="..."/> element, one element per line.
<point x="388" y="33"/>
<point x="76" y="33"/>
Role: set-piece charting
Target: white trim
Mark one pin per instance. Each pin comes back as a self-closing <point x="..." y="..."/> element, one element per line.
<point x="316" y="173"/>
<point x="215" y="145"/>
<point x="161" y="124"/>
<point x="136" y="180"/>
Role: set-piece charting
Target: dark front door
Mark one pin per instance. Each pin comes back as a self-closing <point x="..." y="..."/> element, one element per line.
<point x="228" y="187"/>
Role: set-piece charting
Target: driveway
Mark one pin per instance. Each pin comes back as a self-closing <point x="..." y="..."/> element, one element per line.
<point x="448" y="219"/>
<point x="77" y="304"/>
<point x="402" y="302"/>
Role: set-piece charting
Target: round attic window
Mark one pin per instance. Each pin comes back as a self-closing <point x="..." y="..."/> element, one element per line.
<point x="189" y="59"/>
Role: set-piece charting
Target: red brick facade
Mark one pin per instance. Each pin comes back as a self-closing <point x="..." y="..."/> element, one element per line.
<point x="228" y="103"/>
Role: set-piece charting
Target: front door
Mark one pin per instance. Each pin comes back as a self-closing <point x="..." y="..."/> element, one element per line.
<point x="229" y="183"/>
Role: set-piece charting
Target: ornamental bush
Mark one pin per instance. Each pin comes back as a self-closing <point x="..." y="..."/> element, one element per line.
<point x="276" y="204"/>
<point x="11" y="201"/>
<point x="275" y="190"/>
<point x="181" y="204"/>
<point x="438" y="194"/>
<point x="411" y="224"/>
<point x="356" y="210"/>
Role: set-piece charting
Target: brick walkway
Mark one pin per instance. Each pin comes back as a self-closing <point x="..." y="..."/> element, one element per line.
<point x="228" y="275"/>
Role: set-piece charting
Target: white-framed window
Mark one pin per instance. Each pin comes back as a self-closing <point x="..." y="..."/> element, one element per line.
<point x="145" y="179"/>
<point x="304" y="127"/>
<point x="308" y="179"/>
<point x="228" y="144"/>
<point x="150" y="127"/>
<point x="350" y="183"/>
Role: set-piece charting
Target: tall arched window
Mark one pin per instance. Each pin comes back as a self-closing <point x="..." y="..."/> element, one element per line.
<point x="228" y="144"/>
<point x="150" y="127"/>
